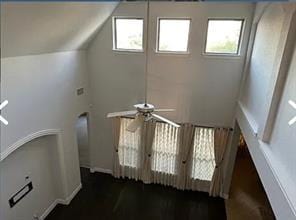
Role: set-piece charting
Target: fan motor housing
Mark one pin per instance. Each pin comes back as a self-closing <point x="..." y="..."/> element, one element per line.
<point x="144" y="108"/>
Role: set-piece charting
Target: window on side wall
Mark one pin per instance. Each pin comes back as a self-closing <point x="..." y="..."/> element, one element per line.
<point x="224" y="36"/>
<point x="173" y="35"/>
<point x="165" y="150"/>
<point x="128" y="34"/>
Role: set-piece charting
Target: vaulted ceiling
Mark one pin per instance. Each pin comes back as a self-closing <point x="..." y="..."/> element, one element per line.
<point x="36" y="28"/>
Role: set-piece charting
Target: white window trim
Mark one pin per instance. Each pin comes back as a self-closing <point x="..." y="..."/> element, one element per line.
<point x="187" y="52"/>
<point x="120" y="50"/>
<point x="240" y="41"/>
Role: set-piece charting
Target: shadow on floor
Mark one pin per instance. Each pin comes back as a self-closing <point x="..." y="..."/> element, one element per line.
<point x="104" y="197"/>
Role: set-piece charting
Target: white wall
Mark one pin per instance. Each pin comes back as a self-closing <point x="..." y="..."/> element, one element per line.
<point x="41" y="90"/>
<point x="274" y="160"/>
<point x="261" y="65"/>
<point x="202" y="89"/>
<point x="36" y="159"/>
<point x="44" y="27"/>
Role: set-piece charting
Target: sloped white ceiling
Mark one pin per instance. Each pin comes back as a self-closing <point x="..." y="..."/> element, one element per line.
<point x="35" y="28"/>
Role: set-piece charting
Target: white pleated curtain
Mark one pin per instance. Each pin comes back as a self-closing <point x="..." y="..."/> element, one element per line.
<point x="184" y="157"/>
<point x="202" y="160"/>
<point x="164" y="154"/>
<point x="129" y="151"/>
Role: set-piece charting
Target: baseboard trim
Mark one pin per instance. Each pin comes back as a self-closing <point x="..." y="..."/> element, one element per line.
<point x="100" y="170"/>
<point x="73" y="194"/>
<point x="66" y="201"/>
<point x="49" y="209"/>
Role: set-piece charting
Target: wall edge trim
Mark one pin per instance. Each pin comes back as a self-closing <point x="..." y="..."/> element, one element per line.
<point x="100" y="170"/>
<point x="66" y="201"/>
<point x="251" y="140"/>
<point x="27" y="139"/>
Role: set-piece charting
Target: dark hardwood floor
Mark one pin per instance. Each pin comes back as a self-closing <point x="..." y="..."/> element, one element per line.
<point x="104" y="197"/>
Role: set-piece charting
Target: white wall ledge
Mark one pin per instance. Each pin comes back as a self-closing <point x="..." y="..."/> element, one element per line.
<point x="280" y="189"/>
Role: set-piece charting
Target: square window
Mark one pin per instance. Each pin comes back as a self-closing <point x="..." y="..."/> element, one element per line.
<point x="173" y="35"/>
<point x="224" y="36"/>
<point x="128" y="34"/>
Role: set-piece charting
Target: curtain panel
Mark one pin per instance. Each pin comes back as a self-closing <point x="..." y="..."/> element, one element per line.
<point x="129" y="151"/>
<point x="184" y="157"/>
<point x="147" y="137"/>
<point x="188" y="157"/>
<point x="202" y="162"/>
<point x="116" y="136"/>
<point x="220" y="142"/>
<point x="164" y="154"/>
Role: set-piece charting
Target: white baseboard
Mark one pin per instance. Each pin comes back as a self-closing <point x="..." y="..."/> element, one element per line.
<point x="70" y="197"/>
<point x="100" y="170"/>
<point x="66" y="201"/>
<point x="49" y="209"/>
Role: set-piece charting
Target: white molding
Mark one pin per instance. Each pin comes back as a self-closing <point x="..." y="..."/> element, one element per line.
<point x="58" y="134"/>
<point x="289" y="196"/>
<point x="251" y="121"/>
<point x="66" y="201"/>
<point x="278" y="193"/>
<point x="100" y="170"/>
<point x="49" y="209"/>
<point x="27" y="139"/>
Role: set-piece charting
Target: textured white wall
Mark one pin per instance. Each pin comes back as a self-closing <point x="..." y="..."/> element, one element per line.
<point x="202" y="89"/>
<point x="41" y="90"/>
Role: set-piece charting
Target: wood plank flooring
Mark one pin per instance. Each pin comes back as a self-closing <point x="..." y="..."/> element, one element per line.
<point x="104" y="197"/>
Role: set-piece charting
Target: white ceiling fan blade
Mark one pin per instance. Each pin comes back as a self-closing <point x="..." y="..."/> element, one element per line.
<point x="165" y="120"/>
<point x="164" y="110"/>
<point x="118" y="114"/>
<point x="135" y="124"/>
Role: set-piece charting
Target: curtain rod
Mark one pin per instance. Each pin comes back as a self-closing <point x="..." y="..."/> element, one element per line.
<point x="199" y="126"/>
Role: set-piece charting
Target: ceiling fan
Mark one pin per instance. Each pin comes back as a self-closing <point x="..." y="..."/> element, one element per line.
<point x="145" y="111"/>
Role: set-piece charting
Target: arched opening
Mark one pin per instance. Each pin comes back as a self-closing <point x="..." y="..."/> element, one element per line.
<point x="36" y="161"/>
<point x="82" y="134"/>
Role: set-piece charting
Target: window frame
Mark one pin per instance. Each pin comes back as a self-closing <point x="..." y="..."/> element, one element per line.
<point x="114" y="34"/>
<point x="239" y="46"/>
<point x="158" y="36"/>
